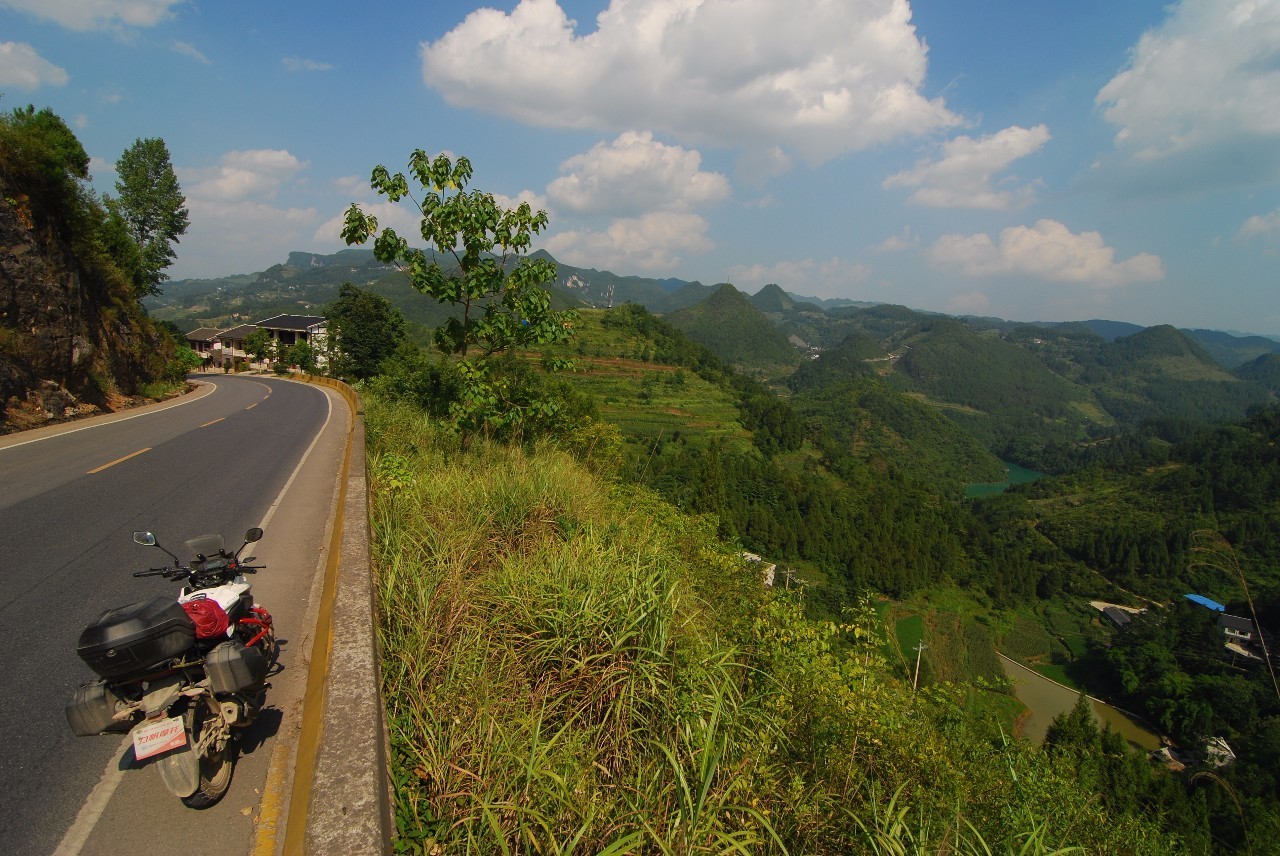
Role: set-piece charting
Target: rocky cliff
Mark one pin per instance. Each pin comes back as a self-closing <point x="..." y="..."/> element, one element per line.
<point x="72" y="338"/>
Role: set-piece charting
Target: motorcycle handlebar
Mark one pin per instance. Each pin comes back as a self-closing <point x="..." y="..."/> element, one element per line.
<point x="154" y="572"/>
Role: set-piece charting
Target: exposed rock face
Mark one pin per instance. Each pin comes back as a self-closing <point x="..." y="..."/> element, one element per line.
<point x="65" y="341"/>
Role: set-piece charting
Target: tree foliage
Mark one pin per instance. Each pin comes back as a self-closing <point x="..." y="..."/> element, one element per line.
<point x="364" y="329"/>
<point x="505" y="306"/>
<point x="150" y="207"/>
<point x="260" y="345"/>
<point x="44" y="172"/>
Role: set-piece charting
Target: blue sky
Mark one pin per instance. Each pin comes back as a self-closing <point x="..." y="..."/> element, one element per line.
<point x="1027" y="160"/>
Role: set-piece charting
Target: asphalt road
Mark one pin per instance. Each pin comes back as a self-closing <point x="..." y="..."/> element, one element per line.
<point x="214" y="463"/>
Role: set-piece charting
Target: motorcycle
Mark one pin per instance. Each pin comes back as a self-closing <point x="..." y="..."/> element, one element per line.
<point x="181" y="675"/>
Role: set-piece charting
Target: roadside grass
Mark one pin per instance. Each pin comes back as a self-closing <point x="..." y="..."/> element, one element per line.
<point x="570" y="665"/>
<point x="552" y="676"/>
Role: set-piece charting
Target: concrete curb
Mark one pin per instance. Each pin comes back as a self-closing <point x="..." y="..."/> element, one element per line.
<point x="341" y="801"/>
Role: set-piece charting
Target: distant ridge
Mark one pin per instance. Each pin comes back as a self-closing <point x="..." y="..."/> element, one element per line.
<point x="601" y="288"/>
<point x="1265" y="370"/>
<point x="728" y="325"/>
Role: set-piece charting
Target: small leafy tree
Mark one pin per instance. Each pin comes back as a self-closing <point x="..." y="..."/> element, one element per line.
<point x="259" y="345"/>
<point x="150" y="209"/>
<point x="501" y="293"/>
<point x="184" y="361"/>
<point x="302" y="355"/>
<point x="364" y="329"/>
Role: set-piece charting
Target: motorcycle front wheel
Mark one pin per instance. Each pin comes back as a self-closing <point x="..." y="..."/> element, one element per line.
<point x="204" y="720"/>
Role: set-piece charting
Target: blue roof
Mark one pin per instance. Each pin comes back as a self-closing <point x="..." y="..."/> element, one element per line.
<point x="1204" y="601"/>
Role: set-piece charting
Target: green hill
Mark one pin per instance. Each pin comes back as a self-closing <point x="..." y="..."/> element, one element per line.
<point x="1264" y="371"/>
<point x="892" y="432"/>
<point x="1161" y="372"/>
<point x="305" y="284"/>
<point x="735" y="331"/>
<point x="856" y="356"/>
<point x="772" y="299"/>
<point x="1233" y="351"/>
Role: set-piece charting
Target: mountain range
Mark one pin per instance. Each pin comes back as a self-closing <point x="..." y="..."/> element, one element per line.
<point x="1008" y="383"/>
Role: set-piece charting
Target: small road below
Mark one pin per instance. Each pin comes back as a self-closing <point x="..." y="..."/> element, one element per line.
<point x="215" y="461"/>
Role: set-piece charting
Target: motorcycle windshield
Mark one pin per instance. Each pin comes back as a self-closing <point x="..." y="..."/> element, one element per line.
<point x="204" y="545"/>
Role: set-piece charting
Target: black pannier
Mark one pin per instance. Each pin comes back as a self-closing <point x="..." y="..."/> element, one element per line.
<point x="92" y="710"/>
<point x="234" y="668"/>
<point x="127" y="641"/>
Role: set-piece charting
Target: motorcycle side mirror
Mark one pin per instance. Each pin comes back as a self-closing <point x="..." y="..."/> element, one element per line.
<point x="146" y="539"/>
<point x="254" y="534"/>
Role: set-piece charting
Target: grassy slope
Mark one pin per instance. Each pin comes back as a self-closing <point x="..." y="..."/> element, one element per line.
<point x="572" y="665"/>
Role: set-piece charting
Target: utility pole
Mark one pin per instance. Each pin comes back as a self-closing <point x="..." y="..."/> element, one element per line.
<point x="915" y="683"/>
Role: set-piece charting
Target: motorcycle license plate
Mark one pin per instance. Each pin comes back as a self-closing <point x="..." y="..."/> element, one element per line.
<point x="159" y="736"/>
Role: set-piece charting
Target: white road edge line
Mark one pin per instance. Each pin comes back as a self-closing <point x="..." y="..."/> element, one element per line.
<point x="113" y="421"/>
<point x="91" y="812"/>
<point x="94" y="806"/>
<point x="271" y="512"/>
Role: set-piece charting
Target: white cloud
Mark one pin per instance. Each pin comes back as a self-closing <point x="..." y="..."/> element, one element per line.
<point x="1198" y="104"/>
<point x="244" y="235"/>
<point x="401" y="217"/>
<point x="98" y="14"/>
<point x="243" y="175"/>
<point x="1265" y="227"/>
<point x="651" y="242"/>
<point x="22" y="68"/>
<point x="188" y="49"/>
<point x="1046" y="251"/>
<point x="353" y="185"/>
<point x="810" y="277"/>
<point x="232" y="211"/>
<point x="635" y="174"/>
<point x="904" y="240"/>
<point x="536" y="202"/>
<point x="813" y="77"/>
<point x="294" y="63"/>
<point x="963" y="176"/>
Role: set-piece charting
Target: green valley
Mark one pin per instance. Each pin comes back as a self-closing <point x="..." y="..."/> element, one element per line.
<point x="842" y="446"/>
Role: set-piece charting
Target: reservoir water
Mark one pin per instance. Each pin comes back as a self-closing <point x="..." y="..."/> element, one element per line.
<point x="1016" y="475"/>
<point x="1045" y="699"/>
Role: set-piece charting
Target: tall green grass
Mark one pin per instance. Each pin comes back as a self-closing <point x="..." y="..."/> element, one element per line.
<point x="572" y="666"/>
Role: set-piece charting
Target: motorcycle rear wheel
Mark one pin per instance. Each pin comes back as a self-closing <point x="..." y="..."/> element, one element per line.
<point x="215" y="764"/>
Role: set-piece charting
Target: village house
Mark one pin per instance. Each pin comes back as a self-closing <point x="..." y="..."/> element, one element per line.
<point x="288" y="330"/>
<point x="201" y="340"/>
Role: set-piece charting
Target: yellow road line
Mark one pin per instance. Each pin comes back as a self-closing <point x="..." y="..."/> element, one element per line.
<point x="118" y="461"/>
<point x="251" y="406"/>
<point x="317" y="674"/>
<point x="213" y="422"/>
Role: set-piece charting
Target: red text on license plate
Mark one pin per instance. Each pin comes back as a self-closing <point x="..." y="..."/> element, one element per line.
<point x="159" y="736"/>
